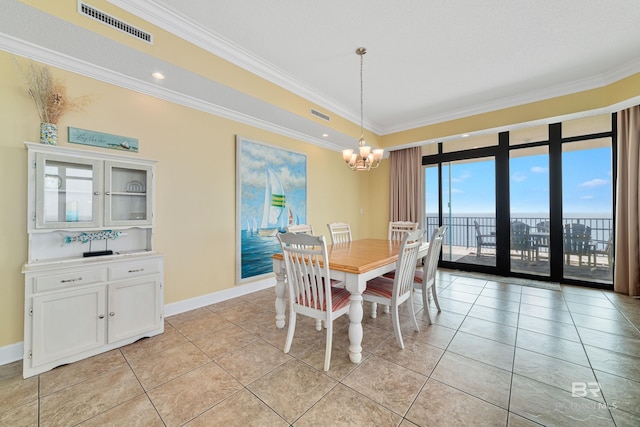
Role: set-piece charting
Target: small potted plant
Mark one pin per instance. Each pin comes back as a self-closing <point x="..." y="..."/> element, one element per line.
<point x="50" y="96"/>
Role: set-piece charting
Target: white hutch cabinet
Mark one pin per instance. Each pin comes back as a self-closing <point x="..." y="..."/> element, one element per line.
<point x="92" y="281"/>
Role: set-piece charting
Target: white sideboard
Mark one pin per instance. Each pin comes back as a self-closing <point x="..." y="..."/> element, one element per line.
<point x="93" y="281"/>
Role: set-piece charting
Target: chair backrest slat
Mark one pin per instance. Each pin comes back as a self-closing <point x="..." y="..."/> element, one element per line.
<point x="340" y="232"/>
<point x="398" y="229"/>
<point x="300" y="228"/>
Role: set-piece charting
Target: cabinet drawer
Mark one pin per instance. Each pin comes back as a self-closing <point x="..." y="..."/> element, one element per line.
<point x="68" y="280"/>
<point x="137" y="269"/>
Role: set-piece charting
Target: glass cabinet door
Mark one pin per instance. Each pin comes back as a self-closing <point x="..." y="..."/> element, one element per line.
<point x="127" y="191"/>
<point x="67" y="192"/>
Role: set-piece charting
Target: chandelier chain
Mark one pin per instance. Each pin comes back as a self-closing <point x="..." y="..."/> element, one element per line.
<point x="362" y="95"/>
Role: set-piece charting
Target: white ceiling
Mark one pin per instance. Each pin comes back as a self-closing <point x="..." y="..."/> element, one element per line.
<point x="427" y="60"/>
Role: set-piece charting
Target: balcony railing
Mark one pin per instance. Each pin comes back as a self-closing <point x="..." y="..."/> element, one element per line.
<point x="460" y="245"/>
<point x="462" y="231"/>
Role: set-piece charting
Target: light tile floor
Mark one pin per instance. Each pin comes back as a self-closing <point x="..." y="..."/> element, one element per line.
<point x="498" y="354"/>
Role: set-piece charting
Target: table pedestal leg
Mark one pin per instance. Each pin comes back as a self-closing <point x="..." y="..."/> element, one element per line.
<point x="280" y="301"/>
<point x="355" y="328"/>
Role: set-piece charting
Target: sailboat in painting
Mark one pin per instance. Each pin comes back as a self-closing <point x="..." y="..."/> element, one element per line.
<point x="274" y="204"/>
<point x="252" y="226"/>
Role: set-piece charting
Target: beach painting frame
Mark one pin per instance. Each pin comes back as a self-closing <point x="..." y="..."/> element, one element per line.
<point x="271" y="193"/>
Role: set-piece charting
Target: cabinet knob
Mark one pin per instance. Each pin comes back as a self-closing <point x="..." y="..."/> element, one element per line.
<point x="101" y="316"/>
<point x="96" y="193"/>
<point x="108" y="193"/>
<point x="112" y="314"/>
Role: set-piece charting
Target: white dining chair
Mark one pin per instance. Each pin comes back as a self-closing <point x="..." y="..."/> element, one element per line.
<point x="393" y="292"/>
<point x="306" y="229"/>
<point x="310" y="288"/>
<point x="425" y="279"/>
<point x="300" y="228"/>
<point x="397" y="229"/>
<point x="340" y="232"/>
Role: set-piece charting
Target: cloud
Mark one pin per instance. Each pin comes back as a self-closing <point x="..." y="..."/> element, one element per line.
<point x="597" y="182"/>
<point x="518" y="177"/>
<point x="587" y="197"/>
<point x="462" y="177"/>
<point x="456" y="191"/>
<point x="538" y="169"/>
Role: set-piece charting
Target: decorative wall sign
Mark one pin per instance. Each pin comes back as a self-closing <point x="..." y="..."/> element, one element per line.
<point x="103" y="140"/>
<point x="271" y="193"/>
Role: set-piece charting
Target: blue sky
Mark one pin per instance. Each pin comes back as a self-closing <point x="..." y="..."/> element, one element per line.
<point x="586" y="184"/>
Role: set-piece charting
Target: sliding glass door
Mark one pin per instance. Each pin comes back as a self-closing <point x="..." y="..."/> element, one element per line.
<point x="587" y="210"/>
<point x="529" y="224"/>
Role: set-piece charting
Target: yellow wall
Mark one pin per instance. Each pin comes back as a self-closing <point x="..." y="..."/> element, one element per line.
<point x="195" y="206"/>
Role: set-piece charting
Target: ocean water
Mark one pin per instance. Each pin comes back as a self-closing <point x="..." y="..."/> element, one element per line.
<point x="256" y="253"/>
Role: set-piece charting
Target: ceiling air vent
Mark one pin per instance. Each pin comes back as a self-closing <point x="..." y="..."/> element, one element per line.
<point x="93" y="13"/>
<point x="323" y="116"/>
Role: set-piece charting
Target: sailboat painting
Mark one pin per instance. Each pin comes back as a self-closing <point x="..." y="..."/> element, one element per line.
<point x="271" y="193"/>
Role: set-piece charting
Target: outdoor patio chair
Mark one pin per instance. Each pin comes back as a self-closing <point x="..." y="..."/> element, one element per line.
<point x="577" y="242"/>
<point x="521" y="240"/>
<point x="601" y="247"/>
<point x="542" y="242"/>
<point x="483" y="240"/>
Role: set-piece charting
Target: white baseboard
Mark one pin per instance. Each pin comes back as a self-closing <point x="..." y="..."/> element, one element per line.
<point x="204" y="300"/>
<point x="12" y="352"/>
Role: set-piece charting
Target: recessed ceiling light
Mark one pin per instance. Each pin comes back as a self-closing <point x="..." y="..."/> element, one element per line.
<point x="157" y="75"/>
<point x="464" y="135"/>
<point x="325" y="135"/>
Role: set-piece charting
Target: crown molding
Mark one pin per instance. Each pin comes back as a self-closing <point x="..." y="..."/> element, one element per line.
<point x="590" y="83"/>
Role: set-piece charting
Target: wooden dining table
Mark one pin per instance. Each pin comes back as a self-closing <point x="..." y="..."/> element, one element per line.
<point x="353" y="263"/>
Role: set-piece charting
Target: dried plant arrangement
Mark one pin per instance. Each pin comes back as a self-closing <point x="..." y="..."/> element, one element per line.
<point x="49" y="93"/>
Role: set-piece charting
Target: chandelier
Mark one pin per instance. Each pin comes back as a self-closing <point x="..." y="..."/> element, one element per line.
<point x="364" y="159"/>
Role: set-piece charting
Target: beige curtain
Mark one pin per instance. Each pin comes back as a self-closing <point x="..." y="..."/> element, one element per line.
<point x="407" y="186"/>
<point x="627" y="251"/>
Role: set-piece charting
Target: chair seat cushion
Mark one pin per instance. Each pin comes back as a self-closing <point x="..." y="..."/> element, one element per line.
<point x="338" y="283"/>
<point x="418" y="276"/>
<point x="380" y="287"/>
<point x="339" y="299"/>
